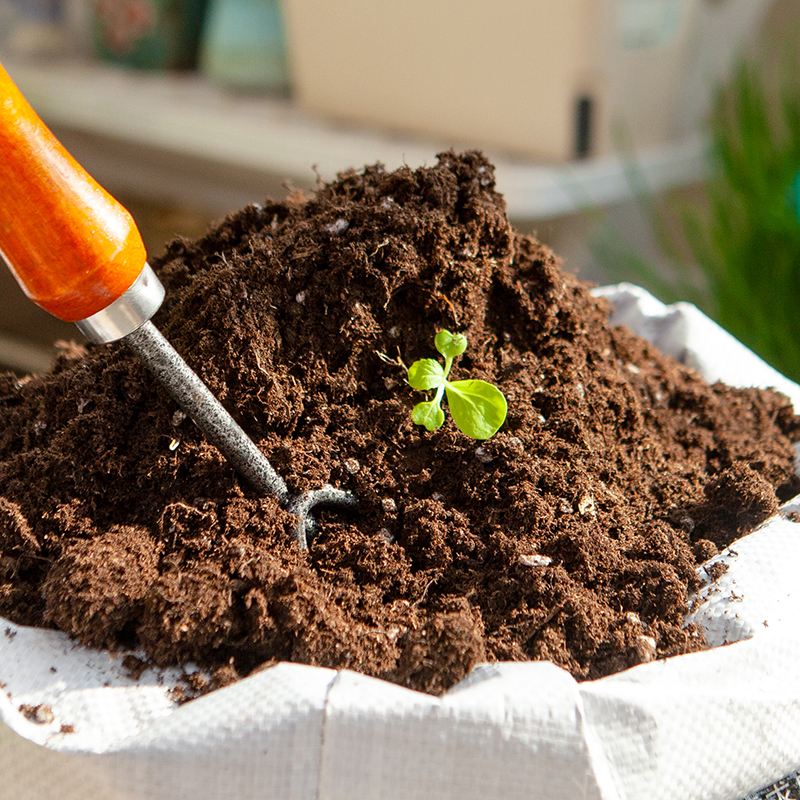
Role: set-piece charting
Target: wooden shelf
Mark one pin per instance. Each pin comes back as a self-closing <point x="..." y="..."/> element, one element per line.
<point x="176" y="138"/>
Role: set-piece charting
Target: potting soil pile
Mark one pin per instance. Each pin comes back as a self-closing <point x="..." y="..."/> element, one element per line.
<point x="573" y="535"/>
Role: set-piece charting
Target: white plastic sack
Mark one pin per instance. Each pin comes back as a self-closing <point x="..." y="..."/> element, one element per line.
<point x="716" y="724"/>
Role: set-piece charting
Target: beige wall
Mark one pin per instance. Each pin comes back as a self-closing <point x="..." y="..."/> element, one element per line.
<point x="473" y="72"/>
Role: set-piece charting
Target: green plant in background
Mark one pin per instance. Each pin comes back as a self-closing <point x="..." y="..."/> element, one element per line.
<point x="737" y="254"/>
<point x="478" y="407"/>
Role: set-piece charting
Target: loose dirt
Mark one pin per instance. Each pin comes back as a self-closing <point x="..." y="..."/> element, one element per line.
<point x="573" y="535"/>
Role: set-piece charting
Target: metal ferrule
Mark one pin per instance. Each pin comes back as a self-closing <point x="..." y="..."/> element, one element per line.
<point x="128" y="312"/>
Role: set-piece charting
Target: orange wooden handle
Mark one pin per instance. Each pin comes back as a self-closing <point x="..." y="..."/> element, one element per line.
<point x="71" y="246"/>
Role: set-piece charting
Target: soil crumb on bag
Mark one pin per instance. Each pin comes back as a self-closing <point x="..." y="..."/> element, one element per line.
<point x="573" y="535"/>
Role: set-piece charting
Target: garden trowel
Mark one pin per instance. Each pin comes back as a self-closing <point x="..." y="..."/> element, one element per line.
<point x="77" y="253"/>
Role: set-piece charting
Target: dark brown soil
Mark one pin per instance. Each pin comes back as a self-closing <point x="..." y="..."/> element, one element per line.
<point x="573" y="535"/>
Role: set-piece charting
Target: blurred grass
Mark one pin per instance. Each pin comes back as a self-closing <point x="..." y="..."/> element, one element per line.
<point x="735" y="254"/>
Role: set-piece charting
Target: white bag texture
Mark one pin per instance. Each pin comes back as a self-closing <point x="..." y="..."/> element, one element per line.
<point x="715" y="725"/>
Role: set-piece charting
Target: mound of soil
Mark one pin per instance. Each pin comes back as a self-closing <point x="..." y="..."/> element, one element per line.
<point x="572" y="535"/>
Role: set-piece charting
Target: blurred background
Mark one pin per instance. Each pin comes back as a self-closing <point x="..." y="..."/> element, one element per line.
<point x="656" y="141"/>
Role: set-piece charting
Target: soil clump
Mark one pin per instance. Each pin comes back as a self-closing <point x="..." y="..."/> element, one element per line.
<point x="573" y="535"/>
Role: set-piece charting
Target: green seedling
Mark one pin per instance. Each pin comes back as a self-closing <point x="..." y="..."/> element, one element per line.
<point x="478" y="408"/>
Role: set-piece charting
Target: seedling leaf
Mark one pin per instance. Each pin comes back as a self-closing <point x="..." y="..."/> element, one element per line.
<point x="425" y="374"/>
<point x="428" y="414"/>
<point x="450" y="345"/>
<point x="478" y="408"/>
